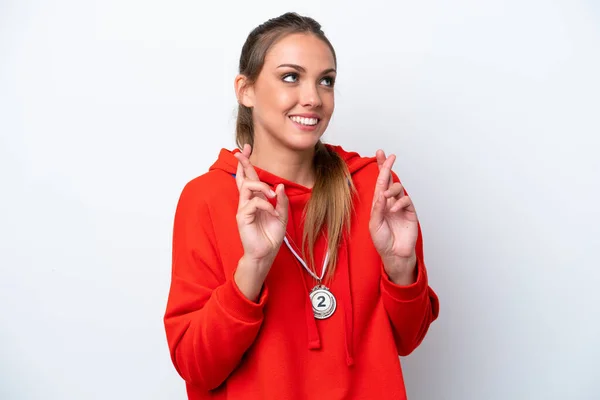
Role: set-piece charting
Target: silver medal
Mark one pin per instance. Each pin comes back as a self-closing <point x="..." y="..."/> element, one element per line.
<point x="323" y="302"/>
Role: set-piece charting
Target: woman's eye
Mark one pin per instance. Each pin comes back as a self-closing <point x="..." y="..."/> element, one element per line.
<point x="291" y="78"/>
<point x="328" y="81"/>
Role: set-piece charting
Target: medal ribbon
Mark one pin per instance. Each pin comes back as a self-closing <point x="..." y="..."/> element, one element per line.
<point x="285" y="239"/>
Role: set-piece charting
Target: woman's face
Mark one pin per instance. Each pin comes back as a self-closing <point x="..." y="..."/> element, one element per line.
<point x="292" y="98"/>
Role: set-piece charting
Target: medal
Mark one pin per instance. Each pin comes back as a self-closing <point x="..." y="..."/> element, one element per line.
<point x="322" y="300"/>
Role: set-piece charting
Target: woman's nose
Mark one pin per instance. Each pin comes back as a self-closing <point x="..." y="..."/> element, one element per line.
<point x="310" y="96"/>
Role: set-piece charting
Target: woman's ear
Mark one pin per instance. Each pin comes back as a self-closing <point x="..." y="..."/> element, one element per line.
<point x="244" y="91"/>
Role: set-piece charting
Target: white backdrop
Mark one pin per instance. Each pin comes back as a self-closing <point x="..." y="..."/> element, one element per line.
<point x="107" y="108"/>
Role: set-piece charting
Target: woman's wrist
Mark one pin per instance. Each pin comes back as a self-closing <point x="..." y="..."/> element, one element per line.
<point x="250" y="276"/>
<point x="401" y="270"/>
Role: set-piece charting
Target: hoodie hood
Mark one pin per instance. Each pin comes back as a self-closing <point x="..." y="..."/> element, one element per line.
<point x="298" y="196"/>
<point x="228" y="163"/>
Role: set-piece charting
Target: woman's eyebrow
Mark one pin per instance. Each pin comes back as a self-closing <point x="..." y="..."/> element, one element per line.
<point x="302" y="69"/>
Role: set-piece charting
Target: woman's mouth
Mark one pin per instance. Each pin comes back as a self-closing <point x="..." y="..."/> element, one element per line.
<point x="305" y="124"/>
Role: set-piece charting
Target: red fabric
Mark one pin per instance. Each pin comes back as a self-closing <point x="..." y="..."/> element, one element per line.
<point x="227" y="347"/>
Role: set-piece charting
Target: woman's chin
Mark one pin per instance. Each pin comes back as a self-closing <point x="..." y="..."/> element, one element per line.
<point x="304" y="137"/>
<point x="303" y="142"/>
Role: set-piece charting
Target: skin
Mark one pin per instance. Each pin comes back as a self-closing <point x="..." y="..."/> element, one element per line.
<point x="304" y="85"/>
<point x="282" y="91"/>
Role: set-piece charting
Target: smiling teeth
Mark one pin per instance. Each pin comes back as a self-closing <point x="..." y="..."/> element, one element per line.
<point x="305" y="121"/>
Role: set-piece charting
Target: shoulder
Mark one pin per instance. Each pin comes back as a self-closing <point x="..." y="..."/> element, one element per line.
<point x="207" y="189"/>
<point x="363" y="167"/>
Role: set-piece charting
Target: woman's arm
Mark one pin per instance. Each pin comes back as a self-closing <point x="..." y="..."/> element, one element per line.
<point x="411" y="308"/>
<point x="209" y="323"/>
<point x="396" y="232"/>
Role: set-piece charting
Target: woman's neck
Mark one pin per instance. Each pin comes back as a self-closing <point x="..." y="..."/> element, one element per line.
<point x="292" y="165"/>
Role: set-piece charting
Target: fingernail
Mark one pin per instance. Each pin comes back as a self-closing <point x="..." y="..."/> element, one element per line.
<point x="272" y="193"/>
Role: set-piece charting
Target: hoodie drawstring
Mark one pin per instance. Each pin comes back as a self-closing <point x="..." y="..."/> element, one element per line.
<point x="314" y="339"/>
<point x="346" y="295"/>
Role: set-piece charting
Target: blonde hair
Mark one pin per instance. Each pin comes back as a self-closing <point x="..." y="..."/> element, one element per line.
<point x="330" y="206"/>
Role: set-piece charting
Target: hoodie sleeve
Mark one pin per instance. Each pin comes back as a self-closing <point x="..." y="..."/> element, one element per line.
<point x="412" y="308"/>
<point x="209" y="323"/>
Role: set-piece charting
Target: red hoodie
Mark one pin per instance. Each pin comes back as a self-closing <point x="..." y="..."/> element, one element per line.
<point x="227" y="347"/>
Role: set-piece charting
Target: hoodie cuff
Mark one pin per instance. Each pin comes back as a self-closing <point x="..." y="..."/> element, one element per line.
<point x="233" y="302"/>
<point x="408" y="292"/>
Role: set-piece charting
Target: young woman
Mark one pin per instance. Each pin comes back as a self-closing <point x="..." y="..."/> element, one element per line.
<point x="298" y="268"/>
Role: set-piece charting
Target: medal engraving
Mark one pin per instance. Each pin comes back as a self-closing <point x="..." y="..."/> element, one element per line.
<point x="323" y="302"/>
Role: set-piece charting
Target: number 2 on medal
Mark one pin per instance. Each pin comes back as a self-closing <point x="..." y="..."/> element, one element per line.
<point x="321" y="302"/>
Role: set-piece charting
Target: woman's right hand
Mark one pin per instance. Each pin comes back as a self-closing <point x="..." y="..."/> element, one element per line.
<point x="261" y="226"/>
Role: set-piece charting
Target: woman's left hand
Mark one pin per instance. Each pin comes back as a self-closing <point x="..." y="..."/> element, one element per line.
<point x="393" y="225"/>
